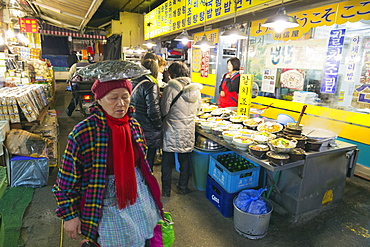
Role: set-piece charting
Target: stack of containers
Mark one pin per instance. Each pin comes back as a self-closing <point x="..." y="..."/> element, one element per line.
<point x="228" y="174"/>
<point x="49" y="129"/>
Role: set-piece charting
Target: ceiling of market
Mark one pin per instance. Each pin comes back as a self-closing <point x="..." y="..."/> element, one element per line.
<point x="86" y="16"/>
<point x="80" y="15"/>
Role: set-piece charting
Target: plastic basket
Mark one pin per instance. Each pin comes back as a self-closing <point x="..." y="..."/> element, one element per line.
<point x="233" y="181"/>
<point x="220" y="198"/>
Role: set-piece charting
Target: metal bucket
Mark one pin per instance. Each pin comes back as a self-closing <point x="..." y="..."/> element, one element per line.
<point x="252" y="226"/>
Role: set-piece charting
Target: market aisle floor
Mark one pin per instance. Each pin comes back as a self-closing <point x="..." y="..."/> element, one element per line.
<point x="198" y="223"/>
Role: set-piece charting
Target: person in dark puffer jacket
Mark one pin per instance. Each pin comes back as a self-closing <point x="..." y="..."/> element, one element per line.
<point x="148" y="112"/>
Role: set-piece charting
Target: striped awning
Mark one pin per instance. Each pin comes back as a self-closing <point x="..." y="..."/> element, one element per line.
<point x="48" y="29"/>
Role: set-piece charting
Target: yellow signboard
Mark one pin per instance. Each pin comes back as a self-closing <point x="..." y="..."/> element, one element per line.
<point x="352" y="11"/>
<point x="208" y="80"/>
<point x="179" y="14"/>
<point x="245" y="94"/>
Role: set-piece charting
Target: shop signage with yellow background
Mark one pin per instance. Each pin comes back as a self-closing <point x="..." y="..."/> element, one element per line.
<point x="208" y="80"/>
<point x="340" y="13"/>
<point x="175" y="15"/>
<point x="245" y="94"/>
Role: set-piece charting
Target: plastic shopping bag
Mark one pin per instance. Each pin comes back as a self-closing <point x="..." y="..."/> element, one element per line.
<point x="164" y="234"/>
<point x="249" y="201"/>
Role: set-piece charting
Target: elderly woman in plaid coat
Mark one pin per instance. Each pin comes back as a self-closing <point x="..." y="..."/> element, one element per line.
<point x="105" y="189"/>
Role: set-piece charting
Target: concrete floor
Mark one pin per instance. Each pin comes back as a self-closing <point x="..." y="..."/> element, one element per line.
<point x="199" y="223"/>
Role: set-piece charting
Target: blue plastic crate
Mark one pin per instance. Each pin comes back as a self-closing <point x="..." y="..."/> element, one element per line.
<point x="220" y="198"/>
<point x="233" y="181"/>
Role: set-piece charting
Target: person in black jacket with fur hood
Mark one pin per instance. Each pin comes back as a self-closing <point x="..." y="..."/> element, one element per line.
<point x="148" y="112"/>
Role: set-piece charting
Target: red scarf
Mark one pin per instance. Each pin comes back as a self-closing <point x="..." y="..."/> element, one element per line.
<point x="123" y="160"/>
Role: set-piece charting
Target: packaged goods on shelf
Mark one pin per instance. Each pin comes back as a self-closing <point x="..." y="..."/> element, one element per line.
<point x="22" y="142"/>
<point x="41" y="68"/>
<point x="30" y="99"/>
<point x="13" y="108"/>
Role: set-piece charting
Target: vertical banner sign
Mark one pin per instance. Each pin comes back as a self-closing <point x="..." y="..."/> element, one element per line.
<point x="204" y="67"/>
<point x="245" y="94"/>
<point x="28" y="25"/>
<point x="353" y="58"/>
<point x="333" y="57"/>
<point x="352" y="70"/>
<point x="268" y="80"/>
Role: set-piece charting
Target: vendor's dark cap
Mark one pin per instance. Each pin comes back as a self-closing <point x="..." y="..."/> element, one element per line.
<point x="100" y="89"/>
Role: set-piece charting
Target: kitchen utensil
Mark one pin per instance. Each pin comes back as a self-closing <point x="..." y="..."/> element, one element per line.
<point x="313" y="144"/>
<point x="258" y="150"/>
<point x="297" y="154"/>
<point x="206" y="144"/>
<point x="277" y="158"/>
<point x="300" y="116"/>
<point x="322" y="135"/>
<point x="265" y="108"/>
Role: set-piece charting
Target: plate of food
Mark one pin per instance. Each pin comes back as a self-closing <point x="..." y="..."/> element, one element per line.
<point x="292" y="79"/>
<point x="253" y="122"/>
<point x="263" y="137"/>
<point x="242" y="142"/>
<point x="282" y="145"/>
<point x="220" y="111"/>
<point x="271" y="127"/>
<point x="238" y="118"/>
<point x="209" y="108"/>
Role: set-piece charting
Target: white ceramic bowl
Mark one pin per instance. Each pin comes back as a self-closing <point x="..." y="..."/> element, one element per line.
<point x="282" y="145"/>
<point x="253" y="122"/>
<point x="229" y="135"/>
<point x="235" y="126"/>
<point x="263" y="137"/>
<point x="246" y="132"/>
<point x="207" y="126"/>
<point x="242" y="142"/>
<point x="214" y="119"/>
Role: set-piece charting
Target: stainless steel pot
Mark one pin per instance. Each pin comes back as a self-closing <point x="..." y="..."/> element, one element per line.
<point x="206" y="144"/>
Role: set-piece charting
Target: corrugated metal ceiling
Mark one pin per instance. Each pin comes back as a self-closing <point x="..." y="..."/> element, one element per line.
<point x="84" y="15"/>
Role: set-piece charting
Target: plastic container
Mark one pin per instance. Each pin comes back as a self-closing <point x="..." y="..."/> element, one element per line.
<point x="28" y="171"/>
<point x="200" y="166"/>
<point x="252" y="226"/>
<point x="220" y="198"/>
<point x="233" y="181"/>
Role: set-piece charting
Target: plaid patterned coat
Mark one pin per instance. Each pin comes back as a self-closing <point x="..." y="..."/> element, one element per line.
<point x="80" y="184"/>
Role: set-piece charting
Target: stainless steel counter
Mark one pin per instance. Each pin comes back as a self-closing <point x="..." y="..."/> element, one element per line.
<point x="341" y="146"/>
<point x="309" y="186"/>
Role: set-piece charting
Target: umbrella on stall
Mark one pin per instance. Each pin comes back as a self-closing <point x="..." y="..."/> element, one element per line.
<point x="112" y="70"/>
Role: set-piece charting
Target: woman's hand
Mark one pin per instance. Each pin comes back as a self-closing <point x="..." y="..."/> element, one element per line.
<point x="73" y="227"/>
<point x="222" y="94"/>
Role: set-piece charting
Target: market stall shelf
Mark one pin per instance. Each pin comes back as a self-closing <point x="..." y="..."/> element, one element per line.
<point x="309" y="186"/>
<point x="262" y="162"/>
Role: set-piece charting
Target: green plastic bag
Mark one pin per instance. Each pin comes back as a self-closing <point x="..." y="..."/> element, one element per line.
<point x="164" y="233"/>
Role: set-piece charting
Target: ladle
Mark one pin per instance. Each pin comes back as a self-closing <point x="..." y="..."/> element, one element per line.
<point x="300" y="116"/>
